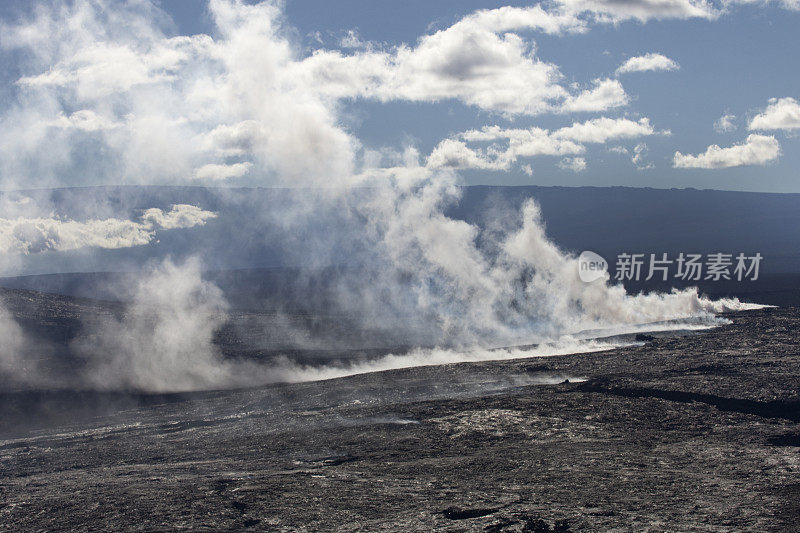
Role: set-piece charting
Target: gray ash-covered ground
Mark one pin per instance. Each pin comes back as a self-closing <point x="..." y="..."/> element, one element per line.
<point x="690" y="433"/>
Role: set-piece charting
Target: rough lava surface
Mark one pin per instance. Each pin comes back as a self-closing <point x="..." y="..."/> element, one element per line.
<point x="684" y="432"/>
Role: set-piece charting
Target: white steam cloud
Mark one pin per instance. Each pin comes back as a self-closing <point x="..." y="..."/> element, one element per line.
<point x="144" y="104"/>
<point x="163" y="342"/>
<point x="13" y="362"/>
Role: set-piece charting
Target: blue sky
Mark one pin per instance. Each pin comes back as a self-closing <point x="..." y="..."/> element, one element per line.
<point x="731" y="65"/>
<point x="731" y="61"/>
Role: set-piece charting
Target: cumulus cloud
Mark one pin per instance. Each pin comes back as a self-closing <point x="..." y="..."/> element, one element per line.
<point x="215" y="172"/>
<point x="638" y="157"/>
<point x="178" y="217"/>
<point x="508" y="18"/>
<point x="103" y="69"/>
<point x="233" y="140"/>
<point x="647" y="62"/>
<point x="574" y="164"/>
<point x="756" y="150"/>
<point x="478" y="60"/>
<point x="606" y="94"/>
<point x="147" y="105"/>
<point x="641" y="10"/>
<point x="725" y="124"/>
<point x="85" y="120"/>
<point x="532" y="142"/>
<point x="24" y="235"/>
<point x="481" y="60"/>
<point x="601" y="130"/>
<point x="637" y="154"/>
<point x="453" y="153"/>
<point x="351" y="40"/>
<point x="792" y="5"/>
<point x="780" y="114"/>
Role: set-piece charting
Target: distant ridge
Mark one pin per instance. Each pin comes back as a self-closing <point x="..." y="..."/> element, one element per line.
<point x="606" y="220"/>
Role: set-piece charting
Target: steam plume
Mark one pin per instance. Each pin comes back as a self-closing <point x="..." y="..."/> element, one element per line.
<point x="243" y="104"/>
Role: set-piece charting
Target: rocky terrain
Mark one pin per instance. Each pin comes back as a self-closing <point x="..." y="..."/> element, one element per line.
<point x="695" y="432"/>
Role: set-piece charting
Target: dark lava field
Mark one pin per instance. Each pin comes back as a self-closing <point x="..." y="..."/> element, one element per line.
<point x="695" y="432"/>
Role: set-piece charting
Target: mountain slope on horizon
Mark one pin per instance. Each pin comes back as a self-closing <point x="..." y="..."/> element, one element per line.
<point x="244" y="248"/>
<point x="607" y="220"/>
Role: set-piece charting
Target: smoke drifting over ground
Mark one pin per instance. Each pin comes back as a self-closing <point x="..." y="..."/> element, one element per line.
<point x="164" y="339"/>
<point x="12" y="361"/>
<point x="240" y="103"/>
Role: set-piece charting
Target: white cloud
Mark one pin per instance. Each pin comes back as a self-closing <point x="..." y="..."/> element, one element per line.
<point x="508" y="18"/>
<point x="637" y="154"/>
<point x="26" y="235"/>
<point x="638" y="158"/>
<point x="646" y="63"/>
<point x="351" y="40"/>
<point x="172" y="109"/>
<point x="791" y="5"/>
<point x="573" y="164"/>
<point x="465" y="62"/>
<point x="216" y="172"/>
<point x="85" y="120"/>
<point x="104" y="68"/>
<point x="155" y="105"/>
<point x="601" y="130"/>
<point x="478" y="61"/>
<point x="642" y="10"/>
<point x="477" y="66"/>
<point x="725" y="124"/>
<point x="524" y="142"/>
<point x="532" y="142"/>
<point x="781" y="114"/>
<point x="452" y="153"/>
<point x="180" y="216"/>
<point x="233" y="140"/>
<point x="606" y="94"/>
<point x="756" y="150"/>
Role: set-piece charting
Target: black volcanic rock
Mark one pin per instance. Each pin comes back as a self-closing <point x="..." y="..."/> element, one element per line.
<point x="691" y="433"/>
